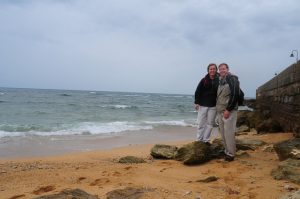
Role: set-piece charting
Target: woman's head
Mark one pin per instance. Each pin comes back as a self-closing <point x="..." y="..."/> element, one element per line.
<point x="212" y="69"/>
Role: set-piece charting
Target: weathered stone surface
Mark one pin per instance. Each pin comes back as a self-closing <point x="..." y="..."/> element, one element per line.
<point x="242" y="129"/>
<point x="295" y="195"/>
<point x="288" y="149"/>
<point x="281" y="96"/>
<point x="288" y="170"/>
<point x="131" y="159"/>
<point x="193" y="153"/>
<point x="162" y="151"/>
<point x="269" y="126"/>
<point x="243" y="118"/>
<point x="72" y="193"/>
<point x="127" y="193"/>
<point x="246" y="144"/>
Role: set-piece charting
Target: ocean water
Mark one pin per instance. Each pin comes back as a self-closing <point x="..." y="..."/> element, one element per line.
<point x="40" y="112"/>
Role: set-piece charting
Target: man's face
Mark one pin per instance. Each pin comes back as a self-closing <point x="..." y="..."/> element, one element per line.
<point x="223" y="70"/>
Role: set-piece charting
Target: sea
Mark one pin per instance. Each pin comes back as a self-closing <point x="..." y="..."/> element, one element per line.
<point x="42" y="112"/>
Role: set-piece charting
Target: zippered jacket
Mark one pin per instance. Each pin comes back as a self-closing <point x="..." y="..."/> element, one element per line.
<point x="206" y="92"/>
<point x="228" y="93"/>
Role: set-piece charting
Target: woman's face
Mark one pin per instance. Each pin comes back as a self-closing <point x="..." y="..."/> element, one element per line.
<point x="212" y="70"/>
<point x="223" y="70"/>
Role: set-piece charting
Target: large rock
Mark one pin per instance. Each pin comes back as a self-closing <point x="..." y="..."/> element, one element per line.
<point x="288" y="149"/>
<point x="288" y="170"/>
<point x="247" y="144"/>
<point x="269" y="126"/>
<point x="193" y="153"/>
<point x="242" y="129"/>
<point x="295" y="195"/>
<point x="72" y="193"/>
<point x="131" y="160"/>
<point x="162" y="151"/>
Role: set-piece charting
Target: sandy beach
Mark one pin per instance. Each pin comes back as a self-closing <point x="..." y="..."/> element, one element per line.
<point x="98" y="172"/>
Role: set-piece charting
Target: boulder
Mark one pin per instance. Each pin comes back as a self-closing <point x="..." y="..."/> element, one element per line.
<point x="69" y="193"/>
<point x="247" y="144"/>
<point x="161" y="151"/>
<point x="193" y="153"/>
<point x="242" y="129"/>
<point x="131" y="159"/>
<point x="269" y="126"/>
<point x="288" y="149"/>
<point x="288" y="170"/>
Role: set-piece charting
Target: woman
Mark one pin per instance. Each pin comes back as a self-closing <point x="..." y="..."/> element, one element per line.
<point x="205" y="103"/>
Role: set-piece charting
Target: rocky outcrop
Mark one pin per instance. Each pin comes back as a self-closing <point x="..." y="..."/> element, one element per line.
<point x="161" y="151"/>
<point x="200" y="152"/>
<point x="247" y="144"/>
<point x="288" y="170"/>
<point x="193" y="153"/>
<point x="73" y="193"/>
<point x="288" y="149"/>
<point x="269" y="126"/>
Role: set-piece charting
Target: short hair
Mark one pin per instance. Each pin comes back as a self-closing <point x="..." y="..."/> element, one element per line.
<point x="223" y="64"/>
<point x="212" y="64"/>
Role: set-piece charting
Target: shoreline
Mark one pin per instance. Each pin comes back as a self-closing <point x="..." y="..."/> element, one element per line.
<point x="41" y="146"/>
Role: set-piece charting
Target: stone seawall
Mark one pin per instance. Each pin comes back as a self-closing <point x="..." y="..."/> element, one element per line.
<point x="280" y="98"/>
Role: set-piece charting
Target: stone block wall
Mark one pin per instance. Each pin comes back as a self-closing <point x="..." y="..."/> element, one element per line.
<point x="280" y="97"/>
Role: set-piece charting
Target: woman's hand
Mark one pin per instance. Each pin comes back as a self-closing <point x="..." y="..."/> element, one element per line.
<point x="197" y="106"/>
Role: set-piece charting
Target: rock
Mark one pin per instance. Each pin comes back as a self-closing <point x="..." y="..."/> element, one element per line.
<point x="289" y="187"/>
<point x="269" y="126"/>
<point x="131" y="159"/>
<point x="217" y="149"/>
<point x="288" y="170"/>
<point x="295" y="195"/>
<point x="242" y="129"/>
<point x="127" y="193"/>
<point x="72" y="193"/>
<point x="246" y="144"/>
<point x="193" y="153"/>
<point x="269" y="148"/>
<point x="162" y="151"/>
<point x="243" y="118"/>
<point x="288" y="149"/>
<point x="242" y="154"/>
<point x="209" y="179"/>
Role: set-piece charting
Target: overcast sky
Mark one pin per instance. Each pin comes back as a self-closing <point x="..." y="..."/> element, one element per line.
<point x="159" y="46"/>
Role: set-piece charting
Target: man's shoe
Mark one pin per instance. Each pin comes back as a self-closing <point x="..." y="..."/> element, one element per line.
<point x="228" y="158"/>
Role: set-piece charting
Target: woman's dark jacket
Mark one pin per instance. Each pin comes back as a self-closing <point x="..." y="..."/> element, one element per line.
<point x="206" y="92"/>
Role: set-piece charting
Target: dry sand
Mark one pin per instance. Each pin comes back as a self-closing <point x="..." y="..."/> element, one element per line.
<point x="98" y="172"/>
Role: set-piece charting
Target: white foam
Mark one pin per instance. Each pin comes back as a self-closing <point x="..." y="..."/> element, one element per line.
<point x="86" y="128"/>
<point x="169" y="123"/>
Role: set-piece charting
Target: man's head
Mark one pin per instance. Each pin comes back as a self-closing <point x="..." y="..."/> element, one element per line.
<point x="223" y="69"/>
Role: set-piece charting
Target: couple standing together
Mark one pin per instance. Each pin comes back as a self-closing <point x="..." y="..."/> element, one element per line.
<point x="217" y="96"/>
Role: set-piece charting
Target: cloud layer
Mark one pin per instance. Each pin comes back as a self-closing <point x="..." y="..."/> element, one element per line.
<point x="143" y="46"/>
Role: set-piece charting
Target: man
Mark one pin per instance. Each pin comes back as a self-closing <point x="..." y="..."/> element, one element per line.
<point x="205" y="103"/>
<point x="227" y="106"/>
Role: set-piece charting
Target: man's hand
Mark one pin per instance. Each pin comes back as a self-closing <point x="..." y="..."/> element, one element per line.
<point x="197" y="106"/>
<point x="226" y="114"/>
